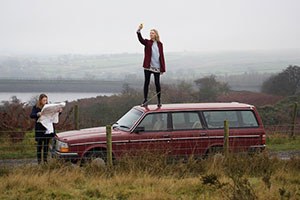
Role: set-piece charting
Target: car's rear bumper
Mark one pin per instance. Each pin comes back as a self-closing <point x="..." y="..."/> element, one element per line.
<point x="257" y="148"/>
<point x="68" y="156"/>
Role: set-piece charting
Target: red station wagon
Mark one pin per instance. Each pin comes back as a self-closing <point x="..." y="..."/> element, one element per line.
<point x="179" y="129"/>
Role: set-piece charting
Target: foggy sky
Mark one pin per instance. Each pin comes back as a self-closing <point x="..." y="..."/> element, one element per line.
<point x="98" y="26"/>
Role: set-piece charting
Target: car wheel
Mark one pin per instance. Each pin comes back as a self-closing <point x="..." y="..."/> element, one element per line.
<point x="95" y="157"/>
<point x="215" y="151"/>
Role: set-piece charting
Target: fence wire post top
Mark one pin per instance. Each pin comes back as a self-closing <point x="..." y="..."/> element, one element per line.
<point x="226" y="137"/>
<point x="294" y="120"/>
<point x="76" y="117"/>
<point x="109" y="145"/>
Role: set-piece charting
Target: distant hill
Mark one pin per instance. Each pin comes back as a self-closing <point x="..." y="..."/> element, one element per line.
<point x="243" y="70"/>
<point x="252" y="98"/>
<point x="123" y="66"/>
<point x="83" y="86"/>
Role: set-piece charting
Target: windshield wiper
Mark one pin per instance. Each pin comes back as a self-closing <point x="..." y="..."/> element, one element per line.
<point x="115" y="125"/>
<point x="122" y="126"/>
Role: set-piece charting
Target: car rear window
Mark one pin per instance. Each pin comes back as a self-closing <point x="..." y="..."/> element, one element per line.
<point x="236" y="118"/>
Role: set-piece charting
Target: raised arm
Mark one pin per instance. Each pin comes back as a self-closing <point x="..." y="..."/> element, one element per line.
<point x="141" y="39"/>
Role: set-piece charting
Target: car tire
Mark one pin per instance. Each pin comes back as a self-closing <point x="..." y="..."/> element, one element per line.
<point x="93" y="157"/>
<point x="214" y="151"/>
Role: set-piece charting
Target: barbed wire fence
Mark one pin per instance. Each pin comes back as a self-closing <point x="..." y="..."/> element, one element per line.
<point x="25" y="148"/>
<point x="19" y="143"/>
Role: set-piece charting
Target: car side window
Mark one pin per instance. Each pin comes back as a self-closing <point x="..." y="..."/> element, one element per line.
<point x="248" y="119"/>
<point x="215" y="119"/>
<point x="186" y="121"/>
<point x="154" y="122"/>
<point x="236" y="119"/>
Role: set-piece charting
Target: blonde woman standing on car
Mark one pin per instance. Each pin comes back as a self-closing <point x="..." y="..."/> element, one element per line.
<point x="154" y="62"/>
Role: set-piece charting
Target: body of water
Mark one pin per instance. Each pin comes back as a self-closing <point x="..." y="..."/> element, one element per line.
<point x="53" y="97"/>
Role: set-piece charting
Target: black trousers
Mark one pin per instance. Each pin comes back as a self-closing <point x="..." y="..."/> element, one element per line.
<point x="147" y="81"/>
<point x="42" y="143"/>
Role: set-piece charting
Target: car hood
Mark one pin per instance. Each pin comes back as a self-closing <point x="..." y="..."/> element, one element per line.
<point x="85" y="134"/>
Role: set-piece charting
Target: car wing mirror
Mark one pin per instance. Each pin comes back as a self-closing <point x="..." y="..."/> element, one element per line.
<point x="139" y="129"/>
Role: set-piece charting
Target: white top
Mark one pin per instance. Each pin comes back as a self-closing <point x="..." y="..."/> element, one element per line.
<point x="155" y="56"/>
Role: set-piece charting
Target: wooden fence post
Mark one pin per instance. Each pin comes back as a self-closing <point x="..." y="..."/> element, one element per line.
<point x="226" y="138"/>
<point x="109" y="145"/>
<point x="76" y="117"/>
<point x="294" y="120"/>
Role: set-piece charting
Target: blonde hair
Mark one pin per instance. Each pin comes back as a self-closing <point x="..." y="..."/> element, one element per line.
<point x="39" y="104"/>
<point x="156" y="35"/>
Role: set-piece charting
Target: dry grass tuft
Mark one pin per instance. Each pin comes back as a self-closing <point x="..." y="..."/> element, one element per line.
<point x="156" y="177"/>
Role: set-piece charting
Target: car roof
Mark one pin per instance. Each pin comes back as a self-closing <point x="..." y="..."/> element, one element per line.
<point x="195" y="106"/>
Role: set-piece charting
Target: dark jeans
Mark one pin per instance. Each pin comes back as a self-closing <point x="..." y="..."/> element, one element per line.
<point x="42" y="142"/>
<point x="147" y="81"/>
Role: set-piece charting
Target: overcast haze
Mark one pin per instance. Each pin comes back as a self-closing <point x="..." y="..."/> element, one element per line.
<point x="96" y="26"/>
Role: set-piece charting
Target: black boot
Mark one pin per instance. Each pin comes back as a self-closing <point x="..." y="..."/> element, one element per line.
<point x="158" y="102"/>
<point x="145" y="103"/>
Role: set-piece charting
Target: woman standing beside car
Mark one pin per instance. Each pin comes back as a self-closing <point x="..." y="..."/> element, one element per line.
<point x="41" y="134"/>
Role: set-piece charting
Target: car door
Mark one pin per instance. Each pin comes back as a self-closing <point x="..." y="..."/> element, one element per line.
<point x="151" y="135"/>
<point x="244" y="129"/>
<point x="188" y="134"/>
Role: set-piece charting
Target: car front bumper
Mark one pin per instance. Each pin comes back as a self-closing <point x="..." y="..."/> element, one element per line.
<point x="68" y="156"/>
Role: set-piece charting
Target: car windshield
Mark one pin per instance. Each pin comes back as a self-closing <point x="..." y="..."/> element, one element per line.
<point x="128" y="120"/>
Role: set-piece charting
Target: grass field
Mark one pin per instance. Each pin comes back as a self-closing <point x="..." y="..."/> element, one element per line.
<point x="243" y="177"/>
<point x="152" y="177"/>
<point x="278" y="142"/>
<point x="21" y="150"/>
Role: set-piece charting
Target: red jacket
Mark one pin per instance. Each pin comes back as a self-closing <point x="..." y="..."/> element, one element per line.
<point x="148" y="53"/>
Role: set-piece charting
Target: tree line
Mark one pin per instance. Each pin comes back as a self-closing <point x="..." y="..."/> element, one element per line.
<point x="284" y="83"/>
<point x="103" y="110"/>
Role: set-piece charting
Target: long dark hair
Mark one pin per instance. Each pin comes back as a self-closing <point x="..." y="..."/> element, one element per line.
<point x="39" y="104"/>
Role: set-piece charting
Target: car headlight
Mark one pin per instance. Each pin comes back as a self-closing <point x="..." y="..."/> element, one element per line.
<point x="61" y="146"/>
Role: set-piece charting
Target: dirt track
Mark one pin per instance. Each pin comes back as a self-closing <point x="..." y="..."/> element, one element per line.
<point x="285" y="155"/>
<point x="282" y="155"/>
